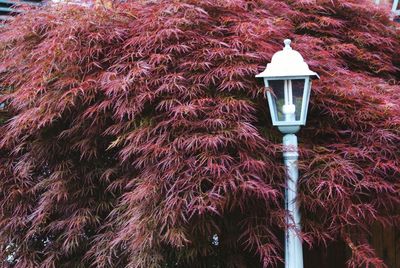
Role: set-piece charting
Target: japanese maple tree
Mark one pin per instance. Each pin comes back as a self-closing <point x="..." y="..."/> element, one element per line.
<point x="138" y="135"/>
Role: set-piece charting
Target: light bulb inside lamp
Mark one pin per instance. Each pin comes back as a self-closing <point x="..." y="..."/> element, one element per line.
<point x="289" y="112"/>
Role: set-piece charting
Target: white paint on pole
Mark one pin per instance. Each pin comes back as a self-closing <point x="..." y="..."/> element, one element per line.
<point x="293" y="244"/>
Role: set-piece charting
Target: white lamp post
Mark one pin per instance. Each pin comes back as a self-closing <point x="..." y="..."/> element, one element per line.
<point x="288" y="80"/>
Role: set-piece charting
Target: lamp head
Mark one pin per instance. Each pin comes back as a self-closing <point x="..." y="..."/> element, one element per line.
<point x="288" y="82"/>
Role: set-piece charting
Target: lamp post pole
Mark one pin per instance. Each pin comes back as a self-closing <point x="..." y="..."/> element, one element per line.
<point x="293" y="246"/>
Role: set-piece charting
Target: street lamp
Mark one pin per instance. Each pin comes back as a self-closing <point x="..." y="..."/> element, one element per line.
<point x="288" y="80"/>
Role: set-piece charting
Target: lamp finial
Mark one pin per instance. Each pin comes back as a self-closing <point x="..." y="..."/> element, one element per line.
<point x="287" y="43"/>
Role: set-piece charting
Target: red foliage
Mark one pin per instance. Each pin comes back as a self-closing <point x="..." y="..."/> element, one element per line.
<point x="139" y="136"/>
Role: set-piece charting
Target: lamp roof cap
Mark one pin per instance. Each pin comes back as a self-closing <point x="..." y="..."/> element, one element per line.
<point x="287" y="63"/>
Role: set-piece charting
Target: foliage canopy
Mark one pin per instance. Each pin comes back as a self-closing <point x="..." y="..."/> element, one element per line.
<point x="139" y="136"/>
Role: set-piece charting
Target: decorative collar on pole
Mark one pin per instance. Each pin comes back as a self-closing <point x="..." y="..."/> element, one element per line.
<point x="287" y="63"/>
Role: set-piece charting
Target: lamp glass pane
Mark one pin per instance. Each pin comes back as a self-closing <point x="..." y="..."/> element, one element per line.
<point x="298" y="93"/>
<point x="278" y="93"/>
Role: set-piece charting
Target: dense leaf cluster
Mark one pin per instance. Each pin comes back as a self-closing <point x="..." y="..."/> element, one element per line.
<point x="139" y="136"/>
